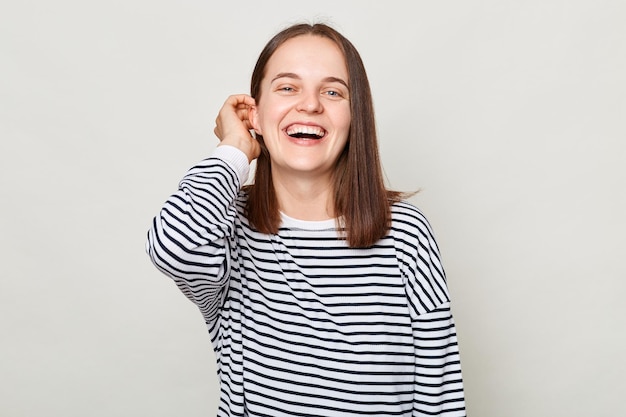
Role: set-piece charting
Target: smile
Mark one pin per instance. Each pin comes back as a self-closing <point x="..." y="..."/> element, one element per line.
<point x="305" y="132"/>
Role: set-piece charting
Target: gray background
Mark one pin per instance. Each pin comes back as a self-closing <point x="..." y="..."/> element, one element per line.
<point x="509" y="116"/>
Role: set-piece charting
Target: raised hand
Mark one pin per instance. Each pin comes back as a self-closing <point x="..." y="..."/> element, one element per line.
<point x="232" y="125"/>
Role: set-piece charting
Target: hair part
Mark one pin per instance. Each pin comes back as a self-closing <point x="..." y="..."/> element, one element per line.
<point x="361" y="201"/>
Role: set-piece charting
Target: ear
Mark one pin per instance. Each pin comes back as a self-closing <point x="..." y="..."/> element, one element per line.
<point x="253" y="118"/>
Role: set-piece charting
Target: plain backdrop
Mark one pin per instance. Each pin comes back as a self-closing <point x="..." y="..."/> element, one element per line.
<point x="508" y="116"/>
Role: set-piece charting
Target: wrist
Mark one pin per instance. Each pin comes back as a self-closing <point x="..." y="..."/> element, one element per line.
<point x="234" y="157"/>
<point x="248" y="146"/>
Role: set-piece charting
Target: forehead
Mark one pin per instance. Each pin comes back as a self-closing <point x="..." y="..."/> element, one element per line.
<point x="309" y="54"/>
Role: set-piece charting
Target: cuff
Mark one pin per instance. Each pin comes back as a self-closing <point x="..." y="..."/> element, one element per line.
<point x="235" y="158"/>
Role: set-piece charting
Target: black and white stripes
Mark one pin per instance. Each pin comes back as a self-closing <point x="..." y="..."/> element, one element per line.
<point x="303" y="325"/>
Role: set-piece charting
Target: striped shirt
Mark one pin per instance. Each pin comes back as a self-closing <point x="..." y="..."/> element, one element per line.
<point x="302" y="324"/>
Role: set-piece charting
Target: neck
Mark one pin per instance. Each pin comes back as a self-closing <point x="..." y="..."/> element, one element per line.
<point x="304" y="198"/>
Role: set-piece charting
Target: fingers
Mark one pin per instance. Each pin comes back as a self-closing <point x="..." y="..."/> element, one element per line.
<point x="241" y="103"/>
<point x="242" y="113"/>
<point x="240" y="99"/>
<point x="235" y="110"/>
<point x="232" y="125"/>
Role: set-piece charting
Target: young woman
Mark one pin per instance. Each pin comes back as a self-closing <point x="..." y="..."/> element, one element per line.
<point x="323" y="292"/>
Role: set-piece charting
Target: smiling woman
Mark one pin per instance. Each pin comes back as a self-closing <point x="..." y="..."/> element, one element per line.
<point x="323" y="292"/>
<point x="304" y="103"/>
<point x="358" y="198"/>
<point x="302" y="118"/>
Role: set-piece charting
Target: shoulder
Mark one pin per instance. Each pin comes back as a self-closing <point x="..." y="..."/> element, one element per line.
<point x="406" y="218"/>
<point x="418" y="256"/>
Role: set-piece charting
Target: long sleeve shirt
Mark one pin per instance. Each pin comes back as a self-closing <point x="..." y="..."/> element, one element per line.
<point x="302" y="324"/>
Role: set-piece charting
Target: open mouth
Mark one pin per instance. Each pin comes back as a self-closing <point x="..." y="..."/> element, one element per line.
<point x="305" y="132"/>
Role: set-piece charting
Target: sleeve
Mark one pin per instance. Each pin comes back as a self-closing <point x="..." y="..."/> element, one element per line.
<point x="192" y="236"/>
<point x="438" y="381"/>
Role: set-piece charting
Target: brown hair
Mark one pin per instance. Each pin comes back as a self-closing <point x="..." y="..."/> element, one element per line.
<point x="362" y="203"/>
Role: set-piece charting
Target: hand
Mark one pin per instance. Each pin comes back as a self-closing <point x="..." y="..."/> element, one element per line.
<point x="233" y="126"/>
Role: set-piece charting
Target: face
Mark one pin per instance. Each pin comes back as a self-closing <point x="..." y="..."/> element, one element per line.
<point x="303" y="111"/>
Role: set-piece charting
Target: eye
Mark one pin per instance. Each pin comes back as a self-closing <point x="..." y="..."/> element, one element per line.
<point x="285" y="89"/>
<point x="333" y="93"/>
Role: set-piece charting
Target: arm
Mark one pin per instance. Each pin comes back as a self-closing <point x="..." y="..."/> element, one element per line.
<point x="438" y="379"/>
<point x="191" y="238"/>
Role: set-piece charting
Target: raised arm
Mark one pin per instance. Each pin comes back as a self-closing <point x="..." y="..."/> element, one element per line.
<point x="193" y="236"/>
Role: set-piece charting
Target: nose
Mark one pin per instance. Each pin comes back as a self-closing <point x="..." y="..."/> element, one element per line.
<point x="310" y="103"/>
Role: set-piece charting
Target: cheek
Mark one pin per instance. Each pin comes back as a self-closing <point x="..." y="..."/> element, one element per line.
<point x="345" y="120"/>
<point x="348" y="121"/>
<point x="269" y="116"/>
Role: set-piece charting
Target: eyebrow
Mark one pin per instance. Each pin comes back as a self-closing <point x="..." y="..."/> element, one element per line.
<point x="297" y="77"/>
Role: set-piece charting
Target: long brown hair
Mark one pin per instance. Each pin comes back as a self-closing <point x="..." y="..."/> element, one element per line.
<point x="362" y="202"/>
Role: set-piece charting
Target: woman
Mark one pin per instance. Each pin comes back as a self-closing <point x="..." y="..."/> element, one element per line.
<point x="323" y="292"/>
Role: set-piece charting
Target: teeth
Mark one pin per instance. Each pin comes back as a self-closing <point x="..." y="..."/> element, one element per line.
<point x="305" y="130"/>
